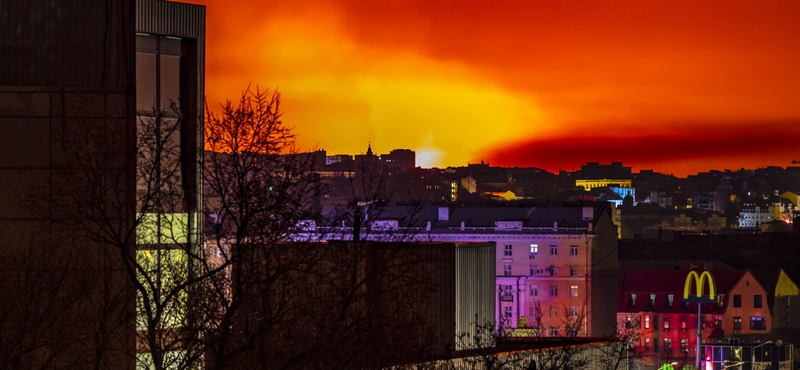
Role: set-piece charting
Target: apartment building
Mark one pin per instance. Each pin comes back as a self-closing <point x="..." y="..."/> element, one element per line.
<point x="556" y="266"/>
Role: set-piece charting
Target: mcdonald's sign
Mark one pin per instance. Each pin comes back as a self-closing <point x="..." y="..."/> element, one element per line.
<point x="700" y="283"/>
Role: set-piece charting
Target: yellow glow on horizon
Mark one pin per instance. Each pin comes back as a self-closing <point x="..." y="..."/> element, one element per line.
<point x="340" y="96"/>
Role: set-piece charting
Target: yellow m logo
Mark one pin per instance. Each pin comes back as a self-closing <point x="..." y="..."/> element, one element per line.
<point x="699" y="282"/>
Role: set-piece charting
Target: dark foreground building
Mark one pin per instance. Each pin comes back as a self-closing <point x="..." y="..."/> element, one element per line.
<point x="77" y="80"/>
<point x="347" y="305"/>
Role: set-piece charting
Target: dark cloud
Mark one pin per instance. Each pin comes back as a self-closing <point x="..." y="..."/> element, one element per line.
<point x="694" y="148"/>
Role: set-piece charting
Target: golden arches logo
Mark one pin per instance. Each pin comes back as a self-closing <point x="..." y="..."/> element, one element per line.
<point x="700" y="282"/>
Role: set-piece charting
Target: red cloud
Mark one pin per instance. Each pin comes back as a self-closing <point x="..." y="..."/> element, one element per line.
<point x="685" y="151"/>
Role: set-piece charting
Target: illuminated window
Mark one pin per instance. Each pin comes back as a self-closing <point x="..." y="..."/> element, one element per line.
<point x="173" y="360"/>
<point x="647" y="344"/>
<point x="162" y="273"/>
<point x="684" y="345"/>
<point x="666" y="323"/>
<point x="163" y="228"/>
<point x="647" y="322"/>
<point x="632" y="300"/>
<point x="573" y="291"/>
<point x="534" y="250"/>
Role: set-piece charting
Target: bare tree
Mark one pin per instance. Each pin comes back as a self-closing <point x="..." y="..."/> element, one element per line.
<point x="139" y="219"/>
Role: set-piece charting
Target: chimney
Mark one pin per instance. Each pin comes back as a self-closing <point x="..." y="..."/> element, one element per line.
<point x="444" y="213"/>
<point x="555" y="226"/>
<point x="462" y="225"/>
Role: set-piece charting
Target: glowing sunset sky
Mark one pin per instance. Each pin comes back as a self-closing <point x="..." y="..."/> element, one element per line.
<point x="682" y="88"/>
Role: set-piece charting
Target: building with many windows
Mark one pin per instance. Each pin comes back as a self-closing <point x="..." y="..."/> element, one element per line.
<point x="556" y="266"/>
<point x="85" y="88"/>
<point x="650" y="306"/>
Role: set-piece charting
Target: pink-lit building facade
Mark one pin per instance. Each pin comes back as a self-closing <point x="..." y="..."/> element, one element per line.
<point x="662" y="326"/>
<point x="555" y="266"/>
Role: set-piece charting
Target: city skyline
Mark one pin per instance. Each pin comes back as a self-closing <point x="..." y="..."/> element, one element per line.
<point x="677" y="88"/>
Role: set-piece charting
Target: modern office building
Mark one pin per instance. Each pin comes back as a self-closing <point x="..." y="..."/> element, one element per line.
<point x="77" y="81"/>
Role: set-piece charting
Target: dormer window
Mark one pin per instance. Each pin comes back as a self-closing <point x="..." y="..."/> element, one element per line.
<point x="632" y="300"/>
<point x="669" y="299"/>
<point x="652" y="300"/>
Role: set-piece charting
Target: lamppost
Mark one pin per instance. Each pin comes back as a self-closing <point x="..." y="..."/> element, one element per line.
<point x="753" y="353"/>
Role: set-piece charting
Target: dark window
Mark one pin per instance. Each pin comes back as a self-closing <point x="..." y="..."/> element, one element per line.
<point x="717" y="322"/>
<point x="647" y="344"/>
<point x="652" y="300"/>
<point x="757" y="303"/>
<point x="737" y="323"/>
<point x="758" y="323"/>
<point x="573" y="250"/>
<point x="737" y="300"/>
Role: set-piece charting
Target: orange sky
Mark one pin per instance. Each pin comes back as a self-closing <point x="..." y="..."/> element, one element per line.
<point x="678" y="87"/>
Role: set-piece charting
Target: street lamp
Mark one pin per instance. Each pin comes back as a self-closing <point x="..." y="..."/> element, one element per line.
<point x="753" y="352"/>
